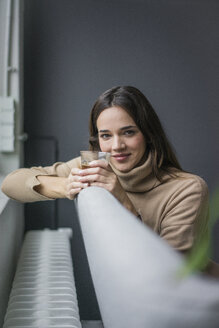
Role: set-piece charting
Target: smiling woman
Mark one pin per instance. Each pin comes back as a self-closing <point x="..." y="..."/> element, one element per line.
<point x="128" y="105"/>
<point x="143" y="174"/>
<point x="119" y="135"/>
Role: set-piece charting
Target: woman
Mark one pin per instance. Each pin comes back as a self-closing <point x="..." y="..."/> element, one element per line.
<point x="144" y="174"/>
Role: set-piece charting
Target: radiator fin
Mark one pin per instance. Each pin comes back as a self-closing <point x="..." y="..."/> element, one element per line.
<point x="43" y="294"/>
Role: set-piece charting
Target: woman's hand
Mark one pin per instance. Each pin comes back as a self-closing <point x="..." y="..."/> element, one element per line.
<point x="73" y="184"/>
<point x="100" y="174"/>
<point x="60" y="187"/>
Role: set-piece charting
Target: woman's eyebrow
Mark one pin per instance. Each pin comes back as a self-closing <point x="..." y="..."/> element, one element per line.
<point x="128" y="127"/>
<point x="123" y="128"/>
<point x="103" y="131"/>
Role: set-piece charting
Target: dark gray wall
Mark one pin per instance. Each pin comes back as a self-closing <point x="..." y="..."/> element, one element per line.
<point x="74" y="50"/>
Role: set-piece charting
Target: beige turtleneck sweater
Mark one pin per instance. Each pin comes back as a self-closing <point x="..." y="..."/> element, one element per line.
<point x="177" y="208"/>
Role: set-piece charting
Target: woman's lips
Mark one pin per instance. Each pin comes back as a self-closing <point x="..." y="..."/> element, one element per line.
<point x="121" y="157"/>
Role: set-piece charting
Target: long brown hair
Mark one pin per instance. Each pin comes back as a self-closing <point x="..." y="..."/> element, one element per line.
<point x="139" y="108"/>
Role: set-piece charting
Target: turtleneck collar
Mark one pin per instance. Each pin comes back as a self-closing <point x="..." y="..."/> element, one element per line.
<point x="139" y="179"/>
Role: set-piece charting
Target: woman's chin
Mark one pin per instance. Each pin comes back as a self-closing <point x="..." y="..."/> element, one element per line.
<point x="122" y="167"/>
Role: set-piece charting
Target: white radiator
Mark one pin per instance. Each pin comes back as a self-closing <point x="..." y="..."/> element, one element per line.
<point x="43" y="294"/>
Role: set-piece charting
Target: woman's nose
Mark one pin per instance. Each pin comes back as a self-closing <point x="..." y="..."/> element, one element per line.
<point x="118" y="143"/>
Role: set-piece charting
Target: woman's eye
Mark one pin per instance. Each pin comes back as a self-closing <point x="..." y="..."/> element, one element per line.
<point x="129" y="132"/>
<point x="105" y="136"/>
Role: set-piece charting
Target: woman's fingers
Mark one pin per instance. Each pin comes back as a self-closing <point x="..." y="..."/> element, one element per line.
<point x="97" y="170"/>
<point x="72" y="193"/>
<point x="95" y="164"/>
<point x="73" y="190"/>
<point x="97" y="178"/>
<point x="75" y="171"/>
<point x="74" y="186"/>
<point x="99" y="173"/>
<point x="101" y="163"/>
<point x="108" y="180"/>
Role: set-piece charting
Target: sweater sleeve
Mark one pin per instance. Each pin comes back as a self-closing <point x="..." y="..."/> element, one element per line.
<point x="19" y="184"/>
<point x="186" y="214"/>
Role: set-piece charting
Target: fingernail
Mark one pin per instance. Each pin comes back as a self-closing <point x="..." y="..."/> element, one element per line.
<point x="93" y="163"/>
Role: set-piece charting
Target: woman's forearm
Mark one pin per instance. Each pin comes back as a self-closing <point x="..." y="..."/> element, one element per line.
<point x="51" y="187"/>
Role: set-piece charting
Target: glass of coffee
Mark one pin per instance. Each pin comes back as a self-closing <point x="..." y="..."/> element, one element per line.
<point x="88" y="156"/>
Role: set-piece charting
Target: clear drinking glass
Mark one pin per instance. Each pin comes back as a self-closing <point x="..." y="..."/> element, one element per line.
<point x="88" y="156"/>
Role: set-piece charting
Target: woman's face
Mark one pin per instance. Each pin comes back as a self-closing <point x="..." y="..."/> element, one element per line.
<point x="119" y="135"/>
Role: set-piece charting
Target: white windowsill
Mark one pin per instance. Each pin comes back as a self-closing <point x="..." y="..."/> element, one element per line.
<point x="3" y="198"/>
